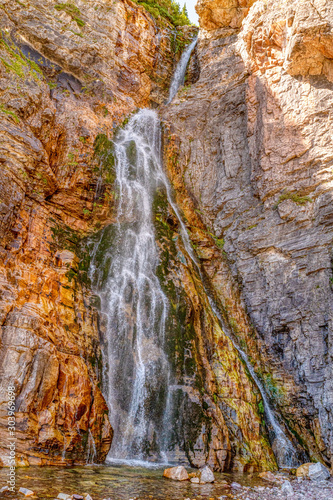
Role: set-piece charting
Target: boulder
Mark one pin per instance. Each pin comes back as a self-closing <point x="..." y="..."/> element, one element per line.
<point x="318" y="472"/>
<point x="236" y="486"/>
<point x="206" y="475"/>
<point x="64" y="496"/>
<point x="303" y="470"/>
<point x="176" y="473"/>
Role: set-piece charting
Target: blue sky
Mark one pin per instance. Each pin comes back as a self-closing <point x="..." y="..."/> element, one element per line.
<point x="190" y="9"/>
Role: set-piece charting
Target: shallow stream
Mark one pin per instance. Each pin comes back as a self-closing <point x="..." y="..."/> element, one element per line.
<point x="117" y="483"/>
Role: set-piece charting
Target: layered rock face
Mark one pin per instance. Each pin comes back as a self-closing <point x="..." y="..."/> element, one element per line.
<point x="217" y="410"/>
<point x="254" y="169"/>
<point x="68" y="77"/>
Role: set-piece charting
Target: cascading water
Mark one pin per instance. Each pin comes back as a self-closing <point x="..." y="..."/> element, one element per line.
<point x="137" y="371"/>
<point x="179" y="75"/>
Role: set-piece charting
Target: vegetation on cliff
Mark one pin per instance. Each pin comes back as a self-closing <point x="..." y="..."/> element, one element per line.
<point x="168" y="10"/>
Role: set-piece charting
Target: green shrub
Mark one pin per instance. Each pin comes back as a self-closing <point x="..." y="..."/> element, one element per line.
<point x="166" y="10"/>
<point x="295" y="197"/>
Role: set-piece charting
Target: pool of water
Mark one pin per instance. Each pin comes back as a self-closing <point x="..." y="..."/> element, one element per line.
<point x="117" y="482"/>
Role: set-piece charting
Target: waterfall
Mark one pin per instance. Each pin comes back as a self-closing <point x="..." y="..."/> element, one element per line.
<point x="137" y="371"/>
<point x="179" y="75"/>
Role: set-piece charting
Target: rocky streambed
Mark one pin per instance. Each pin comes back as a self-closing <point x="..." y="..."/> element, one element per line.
<point x="137" y="483"/>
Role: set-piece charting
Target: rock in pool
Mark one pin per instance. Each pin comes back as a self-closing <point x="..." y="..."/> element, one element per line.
<point x="206" y="475"/>
<point x="176" y="473"/>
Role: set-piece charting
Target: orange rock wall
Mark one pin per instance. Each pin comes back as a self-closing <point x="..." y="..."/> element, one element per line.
<point x="62" y="83"/>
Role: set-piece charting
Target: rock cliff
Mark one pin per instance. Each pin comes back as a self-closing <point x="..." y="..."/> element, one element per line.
<point x="247" y="146"/>
<point x="68" y="77"/>
<point x="254" y="169"/>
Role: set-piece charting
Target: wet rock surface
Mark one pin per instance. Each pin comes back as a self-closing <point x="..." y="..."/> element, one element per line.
<point x="215" y="418"/>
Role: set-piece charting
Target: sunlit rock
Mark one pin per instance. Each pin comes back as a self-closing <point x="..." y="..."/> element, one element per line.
<point x="176" y="473"/>
<point x="222" y="13"/>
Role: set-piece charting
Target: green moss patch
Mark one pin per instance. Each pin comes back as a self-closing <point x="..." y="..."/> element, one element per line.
<point x="72" y="10"/>
<point x="295" y="197"/>
<point x="104" y="157"/>
<point x="10" y="113"/>
<point x="18" y="63"/>
<point x="65" y="238"/>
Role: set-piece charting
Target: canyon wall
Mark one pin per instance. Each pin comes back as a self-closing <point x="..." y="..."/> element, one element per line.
<point x="253" y="171"/>
<point x="68" y="78"/>
<point x="247" y="148"/>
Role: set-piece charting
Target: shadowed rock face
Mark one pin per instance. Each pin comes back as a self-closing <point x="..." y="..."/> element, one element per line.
<point x="255" y="165"/>
<point x="63" y="83"/>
